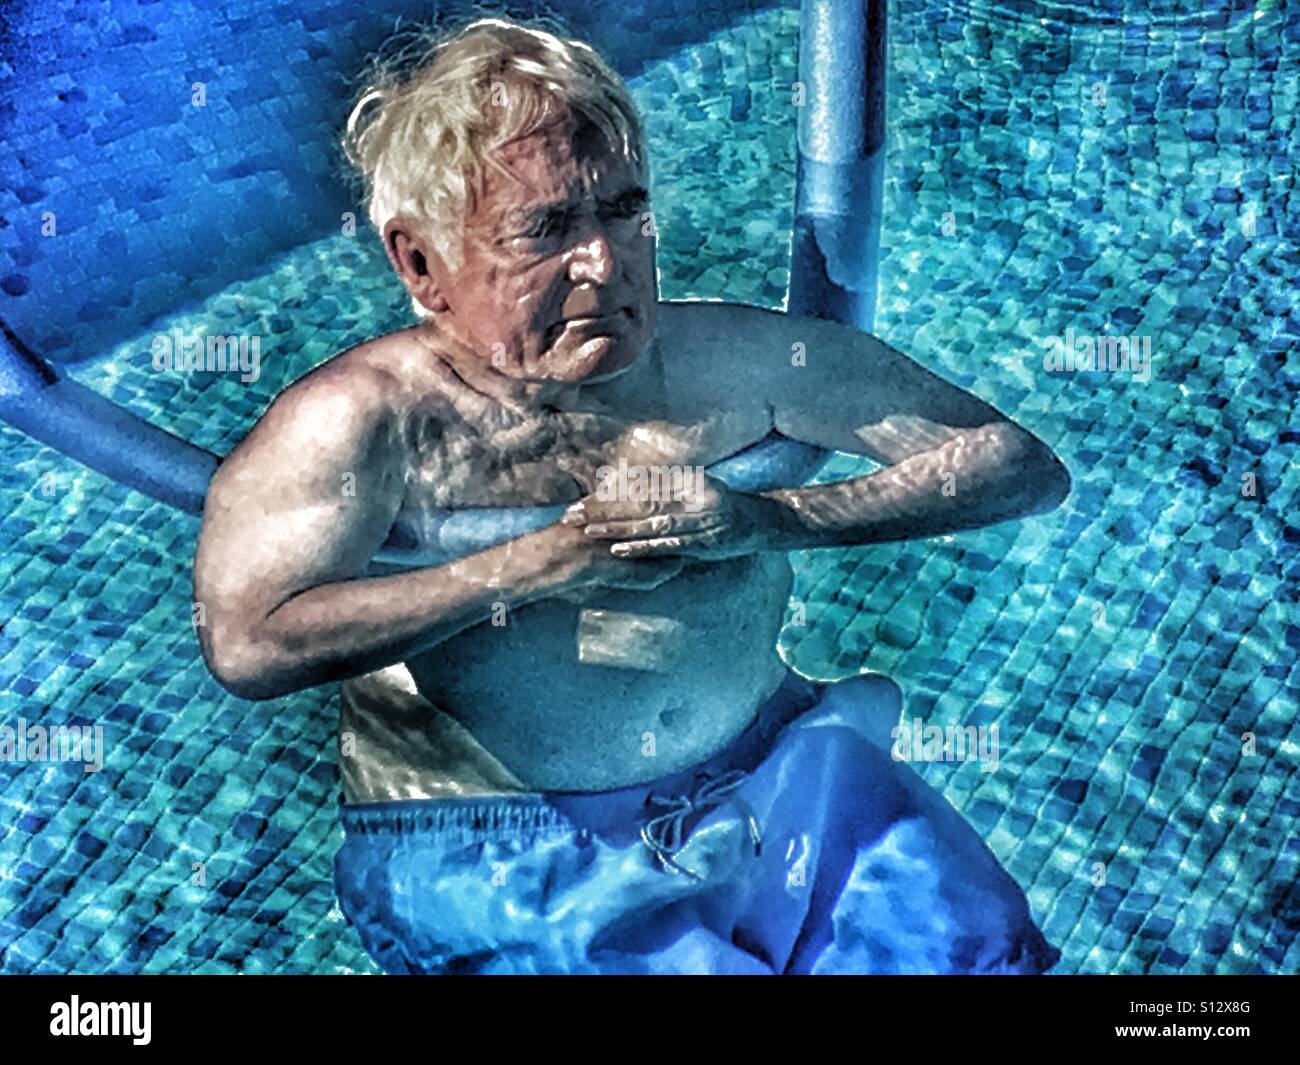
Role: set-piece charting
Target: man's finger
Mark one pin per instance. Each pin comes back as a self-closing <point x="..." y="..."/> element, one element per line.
<point x="667" y="545"/>
<point x="650" y="528"/>
<point x="589" y="510"/>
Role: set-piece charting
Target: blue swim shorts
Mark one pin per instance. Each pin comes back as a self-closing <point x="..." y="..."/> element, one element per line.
<point x="803" y="847"/>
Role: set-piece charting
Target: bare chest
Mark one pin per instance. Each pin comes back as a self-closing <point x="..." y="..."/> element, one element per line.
<point x="507" y="460"/>
<point x="557" y="456"/>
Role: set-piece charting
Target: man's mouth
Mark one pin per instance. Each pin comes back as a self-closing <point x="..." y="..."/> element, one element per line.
<point x="611" y="320"/>
<point x="619" y="316"/>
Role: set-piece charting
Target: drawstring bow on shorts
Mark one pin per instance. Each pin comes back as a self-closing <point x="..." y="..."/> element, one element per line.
<point x="664" y="833"/>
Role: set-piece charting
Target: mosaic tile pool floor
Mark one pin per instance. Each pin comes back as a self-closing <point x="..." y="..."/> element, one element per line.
<point x="1123" y="644"/>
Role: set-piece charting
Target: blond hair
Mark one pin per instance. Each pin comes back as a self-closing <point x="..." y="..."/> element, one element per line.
<point x="431" y="117"/>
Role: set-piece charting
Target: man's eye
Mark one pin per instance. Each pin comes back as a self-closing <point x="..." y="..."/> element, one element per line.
<point x="547" y="226"/>
<point x="631" y="204"/>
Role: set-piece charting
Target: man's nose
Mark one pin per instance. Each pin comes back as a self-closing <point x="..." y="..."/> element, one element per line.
<point x="592" y="258"/>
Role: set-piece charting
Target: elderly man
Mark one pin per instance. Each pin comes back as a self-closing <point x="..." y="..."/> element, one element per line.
<point x="577" y="750"/>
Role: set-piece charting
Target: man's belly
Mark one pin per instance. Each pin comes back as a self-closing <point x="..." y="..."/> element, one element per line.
<point x="616" y="690"/>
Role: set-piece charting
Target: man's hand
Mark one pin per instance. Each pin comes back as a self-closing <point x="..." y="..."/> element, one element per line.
<point x="705" y="521"/>
<point x="950" y="461"/>
<point x="593" y="568"/>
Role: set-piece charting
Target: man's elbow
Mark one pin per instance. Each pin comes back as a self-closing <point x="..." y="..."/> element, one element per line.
<point x="234" y="665"/>
<point x="1055" y="480"/>
<point x="249" y="688"/>
<point x="1045" y="479"/>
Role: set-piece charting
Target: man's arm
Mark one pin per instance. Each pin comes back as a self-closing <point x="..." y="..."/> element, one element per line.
<point x="951" y="461"/>
<point x="981" y="476"/>
<point x="292" y="518"/>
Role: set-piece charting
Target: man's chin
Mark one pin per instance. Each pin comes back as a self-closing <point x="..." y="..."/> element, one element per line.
<point x="599" y="359"/>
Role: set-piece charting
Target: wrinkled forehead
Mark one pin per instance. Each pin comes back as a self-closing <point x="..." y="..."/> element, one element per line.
<point x="568" y="159"/>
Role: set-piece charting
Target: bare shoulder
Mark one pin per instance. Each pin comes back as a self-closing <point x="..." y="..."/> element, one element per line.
<point x="726" y="335"/>
<point x="703" y="320"/>
<point x="739" y="328"/>
<point x="328" y="413"/>
<point x="727" y="351"/>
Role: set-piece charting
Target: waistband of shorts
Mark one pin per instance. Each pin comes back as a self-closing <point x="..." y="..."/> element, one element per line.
<point x="519" y="814"/>
<point x="528" y="813"/>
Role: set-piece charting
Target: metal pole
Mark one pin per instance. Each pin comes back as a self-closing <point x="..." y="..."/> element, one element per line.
<point x="840" y="177"/>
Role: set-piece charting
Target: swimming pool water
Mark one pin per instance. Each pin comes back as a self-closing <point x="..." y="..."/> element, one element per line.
<point x="1123" y="644"/>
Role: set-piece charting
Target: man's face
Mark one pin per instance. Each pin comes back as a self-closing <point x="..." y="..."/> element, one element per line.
<point x="557" y="279"/>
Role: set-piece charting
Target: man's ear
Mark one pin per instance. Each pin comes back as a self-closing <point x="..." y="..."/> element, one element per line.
<point x="415" y="260"/>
